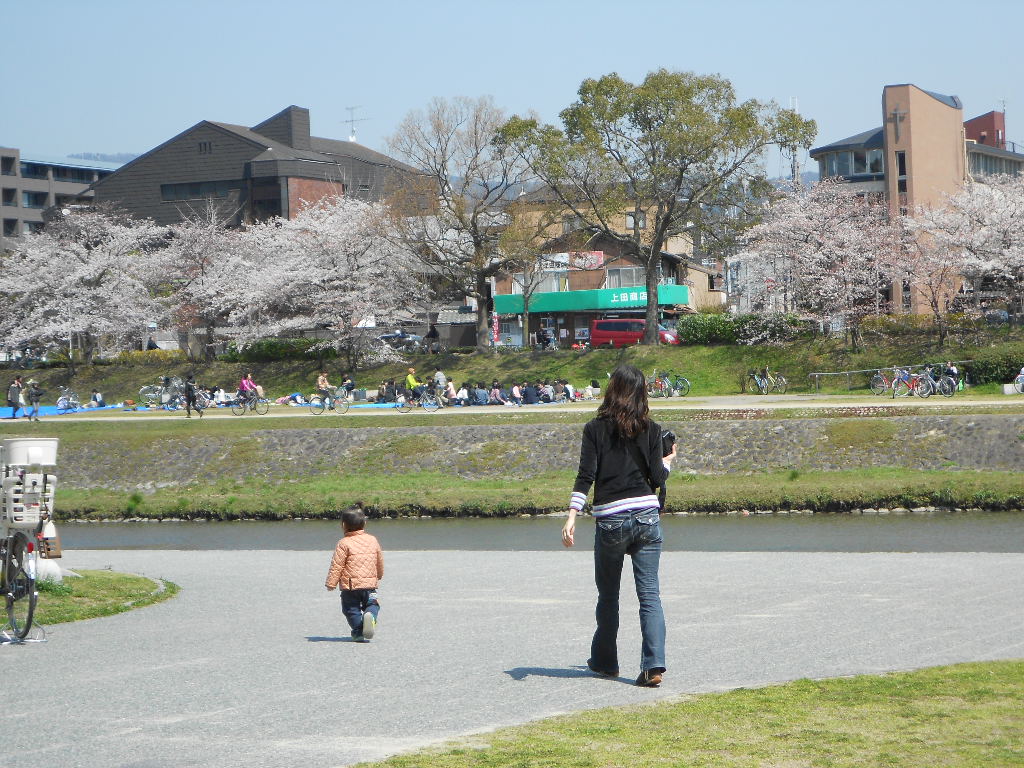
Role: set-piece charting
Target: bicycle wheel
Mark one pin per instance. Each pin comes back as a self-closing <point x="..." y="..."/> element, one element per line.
<point x="923" y="387"/>
<point x="261" y="406"/>
<point x="900" y="388"/>
<point x="404" y="406"/>
<point x="316" y="405"/>
<point x="877" y="384"/>
<point x="341" y="405"/>
<point x="947" y="387"/>
<point x="780" y="384"/>
<point x="1018" y="384"/>
<point x="149" y="392"/>
<point x="19" y="584"/>
<point x="238" y="407"/>
<point x="681" y="385"/>
<point x="429" y="403"/>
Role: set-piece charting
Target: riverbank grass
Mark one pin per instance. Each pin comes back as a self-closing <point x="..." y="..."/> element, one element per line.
<point x="96" y="594"/>
<point x="963" y="715"/>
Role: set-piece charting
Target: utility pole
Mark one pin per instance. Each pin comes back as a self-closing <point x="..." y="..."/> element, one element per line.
<point x="794" y="161"/>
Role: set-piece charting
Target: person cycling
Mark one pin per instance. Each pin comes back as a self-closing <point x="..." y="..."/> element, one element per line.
<point x="246" y="388"/>
<point x="413" y="385"/>
<point x="324" y="387"/>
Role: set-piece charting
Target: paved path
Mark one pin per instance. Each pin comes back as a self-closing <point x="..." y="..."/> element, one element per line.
<point x="251" y="665"/>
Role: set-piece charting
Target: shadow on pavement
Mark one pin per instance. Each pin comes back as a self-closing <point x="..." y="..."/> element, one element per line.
<point x="521" y="673"/>
<point x="317" y="639"/>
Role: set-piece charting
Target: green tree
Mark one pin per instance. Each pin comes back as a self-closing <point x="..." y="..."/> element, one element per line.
<point x="675" y="147"/>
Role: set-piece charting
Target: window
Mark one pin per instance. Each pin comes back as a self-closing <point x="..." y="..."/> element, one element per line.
<point x="10" y="227"/>
<point x="875" y="164"/>
<point x="205" y="147"/>
<point x="901" y="163"/>
<point x="76" y="175"/>
<point x="553" y="281"/>
<point x="34" y="171"/>
<point x="640" y="221"/>
<point x="197" y="190"/>
<point x="518" y="280"/>
<point x="571" y="224"/>
<point x="10" y="197"/>
<point x="33" y="226"/>
<point x="842" y="164"/>
<point x="625" y="277"/>
<point x="7" y="166"/>
<point x="33" y="199"/>
<point x="860" y="161"/>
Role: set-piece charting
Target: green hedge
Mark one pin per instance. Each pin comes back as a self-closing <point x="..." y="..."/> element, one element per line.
<point x="719" y="328"/>
<point x="997" y="365"/>
<point x="707" y="329"/>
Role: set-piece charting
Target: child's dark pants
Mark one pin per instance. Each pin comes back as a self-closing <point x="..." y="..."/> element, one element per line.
<point x="354" y="602"/>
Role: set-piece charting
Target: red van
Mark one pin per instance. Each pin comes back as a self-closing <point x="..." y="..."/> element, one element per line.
<point x="619" y="332"/>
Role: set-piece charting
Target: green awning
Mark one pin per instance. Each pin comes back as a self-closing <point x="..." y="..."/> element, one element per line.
<point x="599" y="299"/>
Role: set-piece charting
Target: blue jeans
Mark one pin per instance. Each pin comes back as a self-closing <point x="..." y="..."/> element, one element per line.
<point x="354" y="602"/>
<point x="636" y="533"/>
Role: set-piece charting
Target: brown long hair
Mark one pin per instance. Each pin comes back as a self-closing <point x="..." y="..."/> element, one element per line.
<point x="625" y="401"/>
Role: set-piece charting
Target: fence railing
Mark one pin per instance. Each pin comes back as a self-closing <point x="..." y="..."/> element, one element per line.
<point x="817" y="375"/>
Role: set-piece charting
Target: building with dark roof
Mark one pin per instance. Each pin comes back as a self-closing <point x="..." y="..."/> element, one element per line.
<point x="923" y="151"/>
<point x="30" y="183"/>
<point x="250" y="174"/>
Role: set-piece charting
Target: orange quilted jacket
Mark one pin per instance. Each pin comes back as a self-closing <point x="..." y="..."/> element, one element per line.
<point x="358" y="562"/>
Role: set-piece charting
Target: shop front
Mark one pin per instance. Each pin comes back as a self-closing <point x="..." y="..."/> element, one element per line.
<point x="567" y="314"/>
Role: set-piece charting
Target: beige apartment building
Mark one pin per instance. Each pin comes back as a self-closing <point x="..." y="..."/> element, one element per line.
<point x="922" y="153"/>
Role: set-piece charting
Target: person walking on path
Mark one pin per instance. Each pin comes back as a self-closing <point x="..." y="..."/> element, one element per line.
<point x="14" y="396"/>
<point x="34" y="397"/>
<point x="622" y="455"/>
<point x="190" y="398"/>
<point x="357" y="567"/>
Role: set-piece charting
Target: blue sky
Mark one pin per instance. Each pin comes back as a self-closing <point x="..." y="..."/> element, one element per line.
<point x="124" y="76"/>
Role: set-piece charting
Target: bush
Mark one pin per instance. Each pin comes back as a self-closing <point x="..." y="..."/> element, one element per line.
<point x="704" y="328"/>
<point x="997" y="365"/>
<point x="271" y="350"/>
<point x="771" y="328"/>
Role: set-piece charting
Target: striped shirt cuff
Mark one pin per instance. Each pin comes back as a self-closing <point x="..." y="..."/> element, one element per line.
<point x="577" y="500"/>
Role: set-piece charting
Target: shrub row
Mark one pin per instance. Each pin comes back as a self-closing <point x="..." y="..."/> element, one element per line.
<point x="999" y="365"/>
<point x="720" y="328"/>
<point x="272" y="350"/>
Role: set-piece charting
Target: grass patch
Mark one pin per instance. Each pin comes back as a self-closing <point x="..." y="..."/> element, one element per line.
<point x="441" y="493"/>
<point x="96" y="594"/>
<point x="857" y="434"/>
<point x="964" y="715"/>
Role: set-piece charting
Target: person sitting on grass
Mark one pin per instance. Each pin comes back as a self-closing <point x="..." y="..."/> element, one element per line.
<point x="462" y="396"/>
<point x="480" y="396"/>
<point x="531" y="395"/>
<point x="494" y="397"/>
<point x="357" y="568"/>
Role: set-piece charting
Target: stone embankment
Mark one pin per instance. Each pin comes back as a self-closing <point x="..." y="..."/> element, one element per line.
<point x="927" y="442"/>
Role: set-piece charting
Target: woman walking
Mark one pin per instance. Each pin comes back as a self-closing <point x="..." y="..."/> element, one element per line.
<point x="624" y="457"/>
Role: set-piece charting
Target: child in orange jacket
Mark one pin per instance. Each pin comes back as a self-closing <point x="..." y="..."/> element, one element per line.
<point x="357" y="567"/>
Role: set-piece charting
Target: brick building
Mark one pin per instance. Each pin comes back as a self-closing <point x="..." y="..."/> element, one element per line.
<point x="248" y="173"/>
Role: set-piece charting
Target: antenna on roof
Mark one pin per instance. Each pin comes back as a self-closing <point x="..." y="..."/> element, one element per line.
<point x="352" y="120"/>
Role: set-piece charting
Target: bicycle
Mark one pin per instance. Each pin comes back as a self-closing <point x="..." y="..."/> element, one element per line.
<point x="428" y="401"/>
<point x="765" y="382"/>
<point x="249" y="401"/>
<point x="880" y="382"/>
<point x="338" y="402"/>
<point x="170" y="396"/>
<point x="920" y="384"/>
<point x="68" y="401"/>
<point x="1018" y="384"/>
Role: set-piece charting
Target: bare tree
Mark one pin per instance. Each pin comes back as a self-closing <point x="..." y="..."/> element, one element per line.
<point x="452" y="213"/>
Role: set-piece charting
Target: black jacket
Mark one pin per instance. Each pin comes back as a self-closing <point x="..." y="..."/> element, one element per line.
<point x="607" y="463"/>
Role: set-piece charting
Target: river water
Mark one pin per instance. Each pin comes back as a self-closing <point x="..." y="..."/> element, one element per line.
<point x="938" y="532"/>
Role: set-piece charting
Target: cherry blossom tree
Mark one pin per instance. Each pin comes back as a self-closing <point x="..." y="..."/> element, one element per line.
<point x="87" y="278"/>
<point x="820" y="251"/>
<point x="333" y="269"/>
<point x="984" y="226"/>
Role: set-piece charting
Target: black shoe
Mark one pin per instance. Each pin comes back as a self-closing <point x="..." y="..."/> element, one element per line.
<point x="650" y="678"/>
<point x="601" y="671"/>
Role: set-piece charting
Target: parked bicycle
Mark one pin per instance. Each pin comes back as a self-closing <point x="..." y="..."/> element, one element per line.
<point x="920" y="384"/>
<point x="337" y="402"/>
<point x="882" y="381"/>
<point x="667" y="384"/>
<point x="169" y="394"/>
<point x="68" y="401"/>
<point x="764" y="381"/>
<point x="250" y="401"/>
